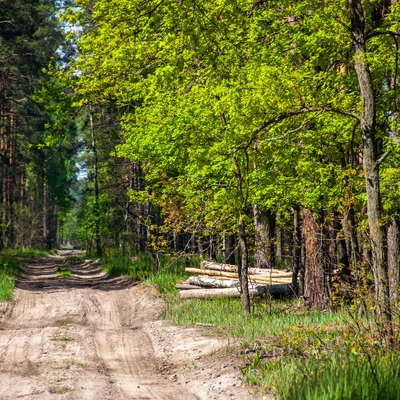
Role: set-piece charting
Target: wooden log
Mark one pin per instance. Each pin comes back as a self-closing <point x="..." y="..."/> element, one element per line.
<point x="256" y="280"/>
<point x="274" y="289"/>
<point x="212" y="282"/>
<point x="210" y="265"/>
<point x="210" y="272"/>
<point x="258" y="290"/>
<point x="218" y="267"/>
<point x="187" y="286"/>
<point x="266" y="279"/>
<point x="208" y="293"/>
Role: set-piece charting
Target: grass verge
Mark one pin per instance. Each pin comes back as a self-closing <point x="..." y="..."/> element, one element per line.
<point x="287" y="350"/>
<point x="9" y="268"/>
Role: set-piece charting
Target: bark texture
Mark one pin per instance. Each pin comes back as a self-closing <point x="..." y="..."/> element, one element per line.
<point x="317" y="274"/>
<point x="370" y="161"/>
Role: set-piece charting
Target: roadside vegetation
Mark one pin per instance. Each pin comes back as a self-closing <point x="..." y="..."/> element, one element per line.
<point x="286" y="349"/>
<point x="11" y="261"/>
<point x="296" y="353"/>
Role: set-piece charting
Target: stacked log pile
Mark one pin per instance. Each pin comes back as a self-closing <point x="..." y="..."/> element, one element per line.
<point x="214" y="280"/>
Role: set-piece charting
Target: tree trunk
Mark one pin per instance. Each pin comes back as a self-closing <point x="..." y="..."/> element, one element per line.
<point x="393" y="234"/>
<point x="264" y="226"/>
<point x="317" y="274"/>
<point x="296" y="252"/>
<point x="229" y="248"/>
<point x="124" y="231"/>
<point x="350" y="237"/>
<point x="244" y="265"/>
<point x="96" y="210"/>
<point x="371" y="163"/>
<point x="47" y="212"/>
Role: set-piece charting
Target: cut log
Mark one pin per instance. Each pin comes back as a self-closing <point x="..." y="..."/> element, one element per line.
<point x="210" y="265"/>
<point x="273" y="289"/>
<point x="208" y="293"/>
<point x="212" y="282"/>
<point x="187" y="286"/>
<point x="265" y="279"/>
<point x="257" y="290"/>
<point x="210" y="272"/>
<point x="269" y="281"/>
<point x="218" y="267"/>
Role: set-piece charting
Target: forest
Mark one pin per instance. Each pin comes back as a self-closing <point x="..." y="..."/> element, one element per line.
<point x="258" y="133"/>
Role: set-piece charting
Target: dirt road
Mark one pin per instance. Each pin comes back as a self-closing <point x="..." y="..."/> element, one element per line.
<point x="89" y="336"/>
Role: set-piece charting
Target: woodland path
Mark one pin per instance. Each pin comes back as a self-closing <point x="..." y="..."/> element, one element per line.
<point x="90" y="336"/>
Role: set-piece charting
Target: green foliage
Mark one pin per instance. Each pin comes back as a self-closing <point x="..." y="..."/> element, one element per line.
<point x="25" y="253"/>
<point x="9" y="268"/>
<point x="343" y="376"/>
<point x="141" y="267"/>
<point x="136" y="267"/>
<point x="295" y="353"/>
<point x="64" y="272"/>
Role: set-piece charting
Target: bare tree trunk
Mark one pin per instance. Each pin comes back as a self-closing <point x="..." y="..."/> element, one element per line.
<point x="296" y="252"/>
<point x="96" y="187"/>
<point x="264" y="226"/>
<point x="317" y="273"/>
<point x="278" y="240"/>
<point x="393" y="233"/>
<point x="229" y="249"/>
<point x="350" y="237"/>
<point x="126" y="214"/>
<point x="46" y="211"/>
<point x="244" y="267"/>
<point x="371" y="163"/>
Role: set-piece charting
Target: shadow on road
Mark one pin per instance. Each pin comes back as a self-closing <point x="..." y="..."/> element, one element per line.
<point x="45" y="274"/>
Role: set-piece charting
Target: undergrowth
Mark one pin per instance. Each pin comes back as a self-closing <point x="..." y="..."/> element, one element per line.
<point x="287" y="350"/>
<point x="64" y="272"/>
<point x="25" y="253"/>
<point x="170" y="271"/>
<point x="9" y="268"/>
<point x="295" y="353"/>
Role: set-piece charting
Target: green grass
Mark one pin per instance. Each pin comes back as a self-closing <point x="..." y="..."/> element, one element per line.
<point x="344" y="376"/>
<point x="64" y="272"/>
<point x="76" y="258"/>
<point x="286" y="349"/>
<point x="140" y="267"/>
<point x="268" y="318"/>
<point x="9" y="268"/>
<point x="25" y="253"/>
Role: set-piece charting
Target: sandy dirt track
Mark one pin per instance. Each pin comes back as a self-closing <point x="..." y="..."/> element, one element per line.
<point x="89" y="336"/>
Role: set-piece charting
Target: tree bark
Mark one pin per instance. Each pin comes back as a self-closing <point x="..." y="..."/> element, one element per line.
<point x="244" y="265"/>
<point x="370" y="163"/>
<point x="296" y="252"/>
<point x="229" y="248"/>
<point x="264" y="226"/>
<point x="317" y="274"/>
<point x="393" y="234"/>
<point x="96" y="210"/>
